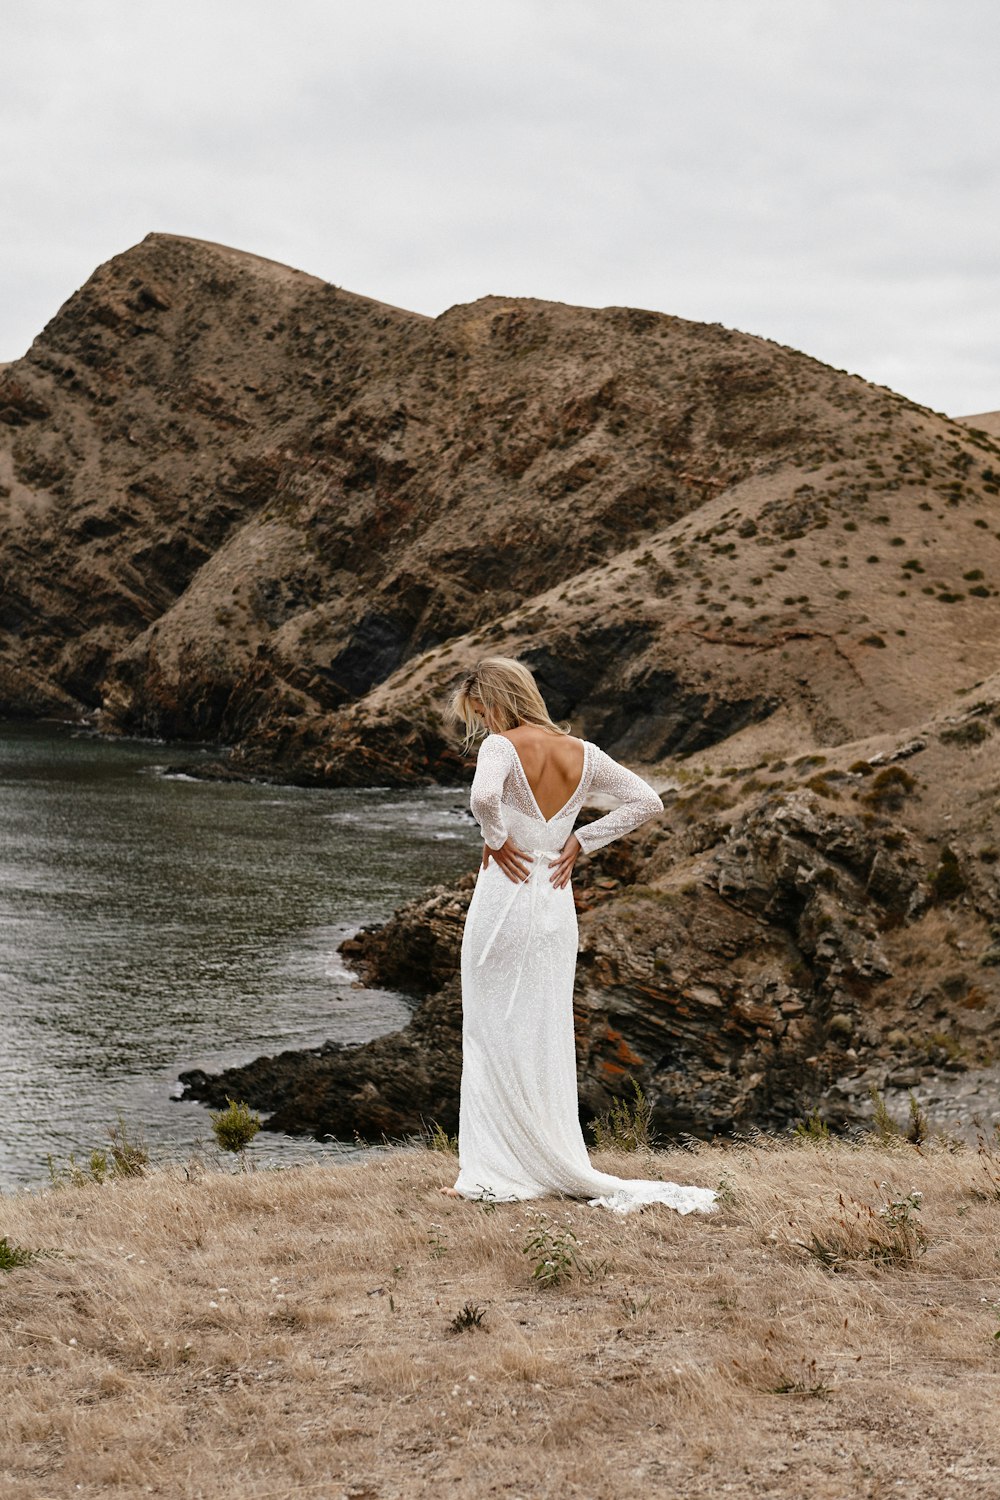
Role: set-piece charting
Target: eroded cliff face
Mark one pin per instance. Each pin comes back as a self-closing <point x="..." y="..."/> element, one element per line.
<point x="240" y="504"/>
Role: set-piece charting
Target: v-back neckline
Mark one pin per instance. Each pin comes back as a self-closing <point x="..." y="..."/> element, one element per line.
<point x="527" y="783"/>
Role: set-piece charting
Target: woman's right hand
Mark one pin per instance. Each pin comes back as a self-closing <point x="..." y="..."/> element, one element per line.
<point x="512" y="860"/>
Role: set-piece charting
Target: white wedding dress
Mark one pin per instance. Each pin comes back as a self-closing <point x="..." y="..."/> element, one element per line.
<point x="519" y="1133"/>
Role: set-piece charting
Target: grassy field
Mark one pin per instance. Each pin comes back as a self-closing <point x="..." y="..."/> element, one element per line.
<point x="347" y="1331"/>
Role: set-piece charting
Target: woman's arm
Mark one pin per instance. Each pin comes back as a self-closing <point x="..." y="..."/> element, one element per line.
<point x="638" y="802"/>
<point x="492" y="767"/>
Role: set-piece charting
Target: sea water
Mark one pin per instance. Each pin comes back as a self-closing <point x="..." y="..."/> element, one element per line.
<point x="153" y="921"/>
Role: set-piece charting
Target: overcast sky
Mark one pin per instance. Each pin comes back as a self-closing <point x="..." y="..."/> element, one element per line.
<point x="825" y="173"/>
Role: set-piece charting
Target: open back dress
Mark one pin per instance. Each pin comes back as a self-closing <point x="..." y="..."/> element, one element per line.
<point x="519" y="1133"/>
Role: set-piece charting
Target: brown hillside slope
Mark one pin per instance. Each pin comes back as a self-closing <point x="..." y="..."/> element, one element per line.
<point x="987" y="422"/>
<point x="244" y="504"/>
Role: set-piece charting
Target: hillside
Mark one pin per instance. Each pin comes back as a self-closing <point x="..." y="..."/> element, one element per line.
<point x="831" y="1330"/>
<point x="984" y="421"/>
<point x="243" y="505"/>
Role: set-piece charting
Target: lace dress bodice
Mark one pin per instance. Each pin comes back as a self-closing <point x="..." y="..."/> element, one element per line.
<point x="504" y="805"/>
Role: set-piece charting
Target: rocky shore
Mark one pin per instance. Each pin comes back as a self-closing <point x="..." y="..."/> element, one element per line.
<point x="749" y="969"/>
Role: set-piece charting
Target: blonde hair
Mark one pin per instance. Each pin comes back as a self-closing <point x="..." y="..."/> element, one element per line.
<point x="507" y="691"/>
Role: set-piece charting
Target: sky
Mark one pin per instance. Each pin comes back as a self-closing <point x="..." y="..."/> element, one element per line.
<point x="823" y="173"/>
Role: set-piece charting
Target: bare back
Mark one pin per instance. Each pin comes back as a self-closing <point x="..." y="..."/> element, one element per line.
<point x="552" y="764"/>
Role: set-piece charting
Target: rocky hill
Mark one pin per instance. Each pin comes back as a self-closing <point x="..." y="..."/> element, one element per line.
<point x="243" y="505"/>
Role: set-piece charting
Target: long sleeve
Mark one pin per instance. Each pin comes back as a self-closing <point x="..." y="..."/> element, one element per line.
<point x="492" y="766"/>
<point x="638" y="802"/>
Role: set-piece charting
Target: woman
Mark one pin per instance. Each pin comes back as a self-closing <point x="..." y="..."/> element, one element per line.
<point x="519" y="1132"/>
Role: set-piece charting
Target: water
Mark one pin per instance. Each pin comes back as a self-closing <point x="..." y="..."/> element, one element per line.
<point x="152" y="922"/>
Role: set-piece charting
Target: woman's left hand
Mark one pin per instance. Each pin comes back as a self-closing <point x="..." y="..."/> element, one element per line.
<point x="562" y="868"/>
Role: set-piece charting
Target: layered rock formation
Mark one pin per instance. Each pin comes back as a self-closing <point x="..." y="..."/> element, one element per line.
<point x="239" y="504"/>
<point x="787" y="939"/>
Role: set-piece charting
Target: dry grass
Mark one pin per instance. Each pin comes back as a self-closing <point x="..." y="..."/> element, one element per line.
<point x="287" y="1333"/>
